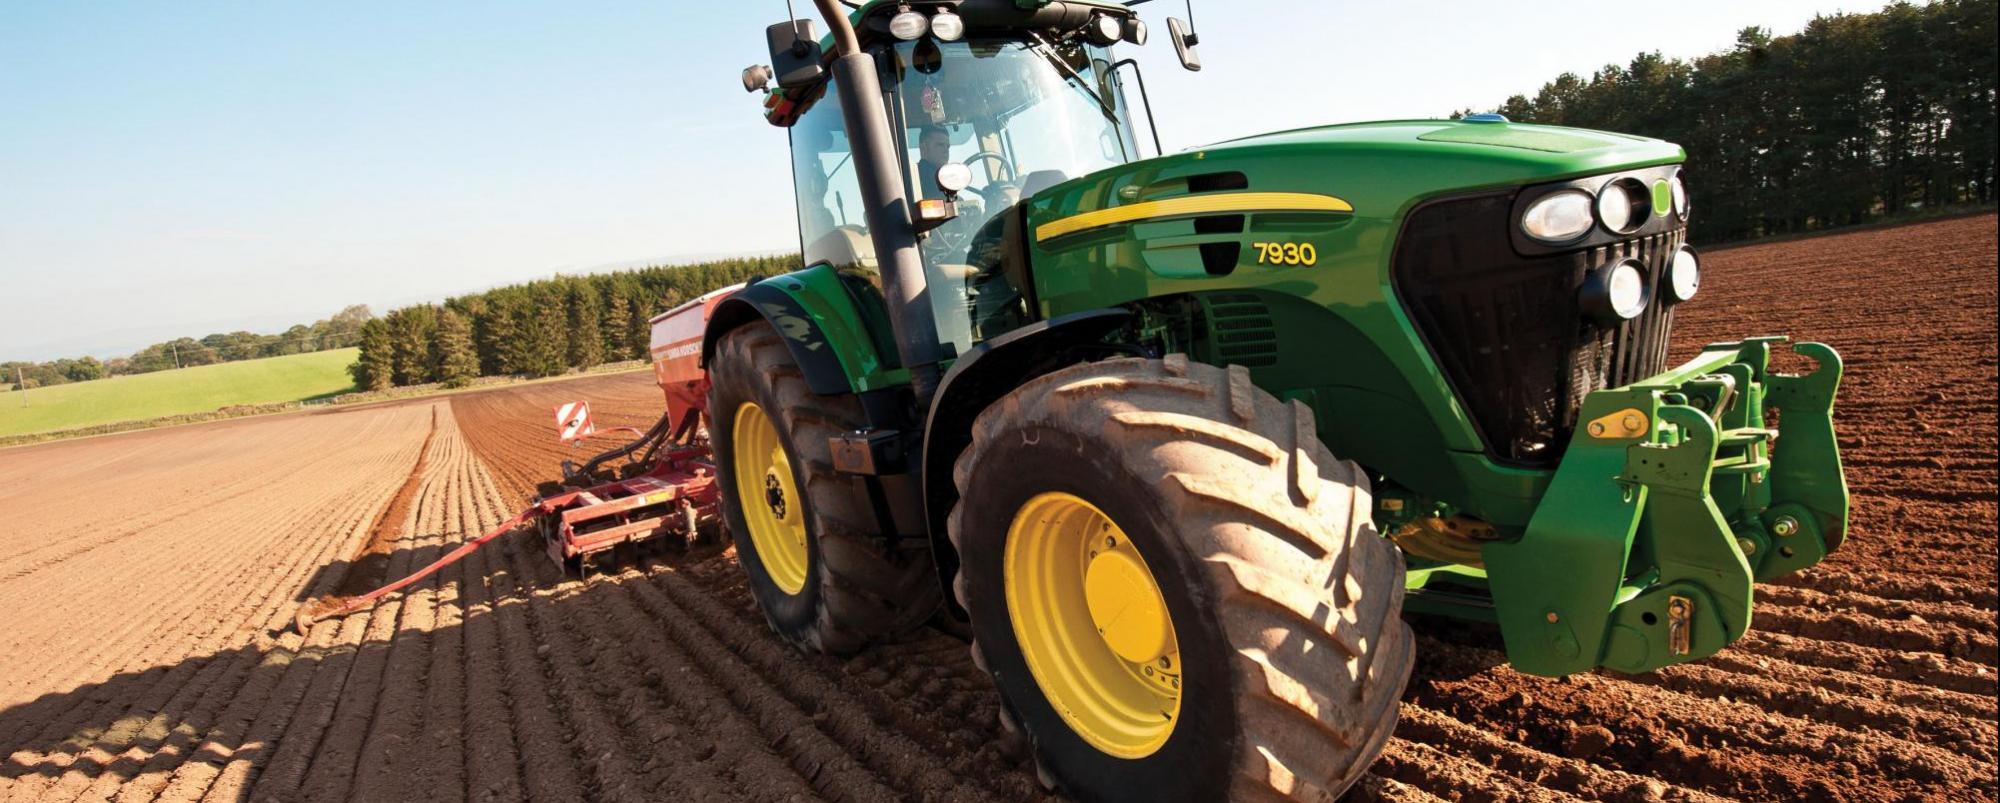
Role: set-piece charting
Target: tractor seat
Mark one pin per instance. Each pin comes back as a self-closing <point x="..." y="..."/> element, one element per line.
<point x="845" y="247"/>
<point x="1041" y="180"/>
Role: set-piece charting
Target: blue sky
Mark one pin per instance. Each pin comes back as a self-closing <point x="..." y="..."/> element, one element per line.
<point x="190" y="167"/>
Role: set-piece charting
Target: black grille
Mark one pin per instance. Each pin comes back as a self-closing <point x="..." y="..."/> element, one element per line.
<point x="1243" y="331"/>
<point x="1506" y="328"/>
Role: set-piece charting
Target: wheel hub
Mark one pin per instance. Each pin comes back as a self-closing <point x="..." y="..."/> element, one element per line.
<point x="774" y="494"/>
<point x="1092" y="625"/>
<point x="1126" y="605"/>
<point x="763" y="471"/>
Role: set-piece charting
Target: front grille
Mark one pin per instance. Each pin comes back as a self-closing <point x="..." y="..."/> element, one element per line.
<point x="1506" y="329"/>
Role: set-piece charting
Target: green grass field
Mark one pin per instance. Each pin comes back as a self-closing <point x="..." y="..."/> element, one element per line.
<point x="190" y="390"/>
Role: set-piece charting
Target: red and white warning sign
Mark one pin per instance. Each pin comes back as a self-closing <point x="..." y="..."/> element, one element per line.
<point x="573" y="422"/>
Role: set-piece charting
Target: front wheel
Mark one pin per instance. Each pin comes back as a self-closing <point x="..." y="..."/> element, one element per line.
<point x="1177" y="588"/>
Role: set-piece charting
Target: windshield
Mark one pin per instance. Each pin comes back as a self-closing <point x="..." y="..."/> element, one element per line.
<point x="1024" y="116"/>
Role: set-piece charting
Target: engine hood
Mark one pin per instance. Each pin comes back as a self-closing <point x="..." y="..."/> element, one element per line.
<point x="1378" y="170"/>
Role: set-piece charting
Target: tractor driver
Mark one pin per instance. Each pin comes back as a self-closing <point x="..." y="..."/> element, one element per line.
<point x="934" y="149"/>
<point x="965" y="251"/>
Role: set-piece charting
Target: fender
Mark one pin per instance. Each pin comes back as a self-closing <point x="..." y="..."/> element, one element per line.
<point x="817" y="318"/>
<point x="985" y="373"/>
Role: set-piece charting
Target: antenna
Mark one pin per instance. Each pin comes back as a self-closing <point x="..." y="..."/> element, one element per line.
<point x="798" y="32"/>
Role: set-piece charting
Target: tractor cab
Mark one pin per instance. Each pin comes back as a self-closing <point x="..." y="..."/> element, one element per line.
<point x="980" y="121"/>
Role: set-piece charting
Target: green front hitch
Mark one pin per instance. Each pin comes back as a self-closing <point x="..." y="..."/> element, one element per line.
<point x="1671" y="502"/>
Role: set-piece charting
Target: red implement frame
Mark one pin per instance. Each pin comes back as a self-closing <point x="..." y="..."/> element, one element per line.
<point x="678" y="492"/>
<point x="673" y="496"/>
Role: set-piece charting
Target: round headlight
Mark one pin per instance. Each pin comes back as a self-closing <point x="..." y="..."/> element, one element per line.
<point x="948" y="26"/>
<point x="1558" y="218"/>
<point x="1135" y="32"/>
<point x="1684" y="274"/>
<point x="909" y="25"/>
<point x="1680" y="189"/>
<point x="1628" y="290"/>
<point x="1615" y="293"/>
<point x="953" y="176"/>
<point x="1622" y="206"/>
<point x="1104" y="30"/>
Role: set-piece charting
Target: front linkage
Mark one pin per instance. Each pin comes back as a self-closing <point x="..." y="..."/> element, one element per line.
<point x="1675" y="496"/>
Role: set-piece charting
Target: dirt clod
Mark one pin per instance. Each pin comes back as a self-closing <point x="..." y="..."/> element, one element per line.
<point x="1588" y="741"/>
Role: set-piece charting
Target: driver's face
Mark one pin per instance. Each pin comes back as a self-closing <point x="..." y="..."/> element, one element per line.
<point x="935" y="147"/>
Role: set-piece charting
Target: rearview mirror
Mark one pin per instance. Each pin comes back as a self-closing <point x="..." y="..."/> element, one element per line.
<point x="1184" y="42"/>
<point x="795" y="53"/>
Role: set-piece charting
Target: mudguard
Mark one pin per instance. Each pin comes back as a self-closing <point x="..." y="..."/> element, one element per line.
<point x="984" y="374"/>
<point x="820" y="324"/>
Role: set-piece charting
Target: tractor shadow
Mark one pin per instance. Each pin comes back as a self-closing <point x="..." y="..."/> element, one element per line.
<point x="335" y="712"/>
<point x="332" y="713"/>
<point x="1469" y="649"/>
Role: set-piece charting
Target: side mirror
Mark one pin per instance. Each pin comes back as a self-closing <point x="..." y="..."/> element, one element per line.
<point x="1184" y="42"/>
<point x="795" y="53"/>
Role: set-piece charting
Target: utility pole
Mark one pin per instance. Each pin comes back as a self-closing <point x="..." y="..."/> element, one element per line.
<point x="177" y="355"/>
<point x="22" y="383"/>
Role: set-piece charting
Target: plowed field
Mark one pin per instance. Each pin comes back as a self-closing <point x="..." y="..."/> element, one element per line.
<point x="145" y="581"/>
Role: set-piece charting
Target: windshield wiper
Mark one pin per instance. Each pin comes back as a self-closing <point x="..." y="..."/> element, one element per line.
<point x="1042" y="48"/>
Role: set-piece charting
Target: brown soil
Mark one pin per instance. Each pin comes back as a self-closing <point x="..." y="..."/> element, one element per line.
<point x="147" y="579"/>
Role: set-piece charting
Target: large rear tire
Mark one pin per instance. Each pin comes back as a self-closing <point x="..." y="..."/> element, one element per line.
<point x="1177" y="588"/>
<point x="825" y="579"/>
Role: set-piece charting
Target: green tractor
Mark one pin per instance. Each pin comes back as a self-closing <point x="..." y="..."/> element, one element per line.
<point x="1180" y="438"/>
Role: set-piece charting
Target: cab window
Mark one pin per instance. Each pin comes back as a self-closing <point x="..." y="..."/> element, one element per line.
<point x="832" y="226"/>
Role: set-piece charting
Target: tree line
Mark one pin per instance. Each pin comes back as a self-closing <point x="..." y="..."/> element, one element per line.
<point x="540" y="328"/>
<point x="340" y="331"/>
<point x="1857" y="117"/>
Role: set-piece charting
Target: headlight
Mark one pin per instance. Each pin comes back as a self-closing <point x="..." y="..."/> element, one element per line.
<point x="1135" y="32"/>
<point x="1104" y="30"/>
<point x="953" y="176"/>
<point x="909" y="25"/>
<point x="1680" y="189"/>
<point x="1615" y="293"/>
<point x="1684" y="274"/>
<point x="1622" y="206"/>
<point x="1558" y="218"/>
<point x="948" y="26"/>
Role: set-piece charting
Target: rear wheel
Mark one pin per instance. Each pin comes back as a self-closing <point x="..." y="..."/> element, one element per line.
<point x="824" y="578"/>
<point x="1177" y="588"/>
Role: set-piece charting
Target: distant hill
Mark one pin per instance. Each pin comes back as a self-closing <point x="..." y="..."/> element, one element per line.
<point x="189" y="390"/>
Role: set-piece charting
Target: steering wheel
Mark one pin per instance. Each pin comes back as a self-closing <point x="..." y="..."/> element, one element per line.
<point x="991" y="192"/>
<point x="993" y="156"/>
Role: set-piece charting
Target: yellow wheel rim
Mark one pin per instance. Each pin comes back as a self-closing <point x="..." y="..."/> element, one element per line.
<point x="772" y="506"/>
<point x="1092" y="625"/>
